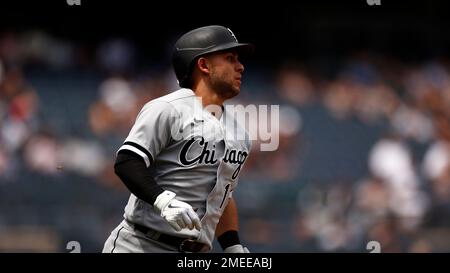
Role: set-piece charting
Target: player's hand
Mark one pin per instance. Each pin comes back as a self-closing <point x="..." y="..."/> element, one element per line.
<point x="236" y="249"/>
<point x="178" y="214"/>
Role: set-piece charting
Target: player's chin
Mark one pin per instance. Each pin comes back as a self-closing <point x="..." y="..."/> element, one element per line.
<point x="236" y="88"/>
<point x="235" y="92"/>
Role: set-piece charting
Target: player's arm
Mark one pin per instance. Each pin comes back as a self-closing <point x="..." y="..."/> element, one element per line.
<point x="149" y="135"/>
<point x="227" y="230"/>
<point x="133" y="172"/>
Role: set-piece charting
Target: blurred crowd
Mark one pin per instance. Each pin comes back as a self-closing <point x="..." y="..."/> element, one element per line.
<point x="396" y="190"/>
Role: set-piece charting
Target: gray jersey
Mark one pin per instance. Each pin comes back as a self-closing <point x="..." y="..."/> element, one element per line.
<point x="190" y="152"/>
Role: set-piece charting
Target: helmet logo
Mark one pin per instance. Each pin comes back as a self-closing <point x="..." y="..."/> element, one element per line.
<point x="232" y="34"/>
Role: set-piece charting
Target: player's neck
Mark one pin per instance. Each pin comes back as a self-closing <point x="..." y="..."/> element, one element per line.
<point x="208" y="96"/>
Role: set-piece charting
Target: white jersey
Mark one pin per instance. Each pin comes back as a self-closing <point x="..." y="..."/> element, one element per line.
<point x="191" y="153"/>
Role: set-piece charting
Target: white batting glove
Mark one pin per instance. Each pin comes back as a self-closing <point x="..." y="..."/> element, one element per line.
<point x="236" y="249"/>
<point x="178" y="214"/>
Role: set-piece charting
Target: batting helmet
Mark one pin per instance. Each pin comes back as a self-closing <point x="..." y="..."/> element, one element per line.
<point x="199" y="42"/>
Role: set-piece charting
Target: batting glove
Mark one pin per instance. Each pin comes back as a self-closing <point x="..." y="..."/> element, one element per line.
<point x="178" y="214"/>
<point x="236" y="249"/>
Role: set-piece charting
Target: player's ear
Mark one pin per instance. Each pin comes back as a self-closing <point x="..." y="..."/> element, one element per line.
<point x="203" y="65"/>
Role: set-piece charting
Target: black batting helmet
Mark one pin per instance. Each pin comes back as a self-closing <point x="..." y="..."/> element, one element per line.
<point x="199" y="42"/>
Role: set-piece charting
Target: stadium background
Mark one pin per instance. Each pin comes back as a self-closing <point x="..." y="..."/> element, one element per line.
<point x="364" y="93"/>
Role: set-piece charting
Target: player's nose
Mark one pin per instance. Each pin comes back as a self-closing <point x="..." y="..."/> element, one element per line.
<point x="240" y="67"/>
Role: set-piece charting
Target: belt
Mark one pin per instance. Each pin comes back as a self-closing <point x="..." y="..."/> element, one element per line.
<point x="182" y="244"/>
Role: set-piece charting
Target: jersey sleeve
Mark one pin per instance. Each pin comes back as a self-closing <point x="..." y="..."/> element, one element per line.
<point x="152" y="130"/>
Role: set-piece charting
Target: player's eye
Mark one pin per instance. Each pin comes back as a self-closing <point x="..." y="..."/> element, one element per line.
<point x="230" y="58"/>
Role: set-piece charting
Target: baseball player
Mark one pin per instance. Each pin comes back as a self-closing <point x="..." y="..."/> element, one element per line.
<point x="181" y="160"/>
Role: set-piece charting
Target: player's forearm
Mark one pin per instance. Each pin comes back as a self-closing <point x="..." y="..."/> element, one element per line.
<point x="229" y="219"/>
<point x="228" y="226"/>
<point x="136" y="176"/>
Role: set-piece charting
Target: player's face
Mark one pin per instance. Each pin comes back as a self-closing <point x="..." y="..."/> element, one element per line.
<point x="226" y="74"/>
